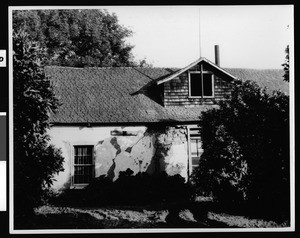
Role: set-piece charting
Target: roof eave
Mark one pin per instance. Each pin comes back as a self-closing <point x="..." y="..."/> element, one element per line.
<point x="139" y="123"/>
<point x="192" y="65"/>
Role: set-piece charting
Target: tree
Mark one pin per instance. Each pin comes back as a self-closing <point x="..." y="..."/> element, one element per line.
<point x="143" y="64"/>
<point x="286" y="65"/>
<point x="246" y="148"/>
<point x="77" y="37"/>
<point x="35" y="160"/>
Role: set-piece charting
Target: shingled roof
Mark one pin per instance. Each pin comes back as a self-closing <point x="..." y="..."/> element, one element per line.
<point x="114" y="95"/>
<point x="272" y="79"/>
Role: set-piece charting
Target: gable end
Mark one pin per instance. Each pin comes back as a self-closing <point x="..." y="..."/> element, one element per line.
<point x="191" y="89"/>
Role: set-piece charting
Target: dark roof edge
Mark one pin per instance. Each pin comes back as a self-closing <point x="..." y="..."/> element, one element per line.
<point x="100" y="124"/>
<point x="95" y="67"/>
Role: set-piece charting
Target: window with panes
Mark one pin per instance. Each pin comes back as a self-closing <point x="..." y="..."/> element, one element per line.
<point x="195" y="147"/>
<point x="201" y="84"/>
<point x="83" y="164"/>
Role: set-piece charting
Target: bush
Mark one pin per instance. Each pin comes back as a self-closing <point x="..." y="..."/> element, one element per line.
<point x="36" y="161"/>
<point x="129" y="190"/>
<point x="246" y="148"/>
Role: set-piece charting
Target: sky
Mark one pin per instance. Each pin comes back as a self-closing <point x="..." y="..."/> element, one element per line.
<point x="175" y="36"/>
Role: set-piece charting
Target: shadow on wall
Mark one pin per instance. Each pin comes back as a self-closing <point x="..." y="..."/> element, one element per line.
<point x="130" y="149"/>
<point x="128" y="189"/>
<point x="66" y="185"/>
<point x="152" y="151"/>
<point x="160" y="148"/>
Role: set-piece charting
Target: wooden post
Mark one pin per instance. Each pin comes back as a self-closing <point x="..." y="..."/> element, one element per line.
<point x="201" y="73"/>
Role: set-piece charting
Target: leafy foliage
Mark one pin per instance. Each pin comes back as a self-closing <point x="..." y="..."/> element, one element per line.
<point x="129" y="189"/>
<point x="286" y="65"/>
<point x="35" y="161"/>
<point x="143" y="64"/>
<point x="77" y="37"/>
<point x="246" y="148"/>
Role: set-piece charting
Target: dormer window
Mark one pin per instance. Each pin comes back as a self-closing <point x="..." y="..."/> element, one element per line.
<point x="201" y="84"/>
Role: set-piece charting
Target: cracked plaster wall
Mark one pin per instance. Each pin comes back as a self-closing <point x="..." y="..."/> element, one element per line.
<point x="148" y="150"/>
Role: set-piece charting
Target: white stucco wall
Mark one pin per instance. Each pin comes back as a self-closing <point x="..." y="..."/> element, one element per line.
<point x="113" y="154"/>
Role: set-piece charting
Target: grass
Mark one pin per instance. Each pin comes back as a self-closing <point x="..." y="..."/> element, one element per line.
<point x="195" y="215"/>
<point x="245" y="222"/>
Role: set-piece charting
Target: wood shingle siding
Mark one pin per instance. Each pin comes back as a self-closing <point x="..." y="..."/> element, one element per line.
<point x="176" y="91"/>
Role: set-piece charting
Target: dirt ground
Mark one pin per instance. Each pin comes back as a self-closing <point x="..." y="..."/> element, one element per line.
<point x="54" y="217"/>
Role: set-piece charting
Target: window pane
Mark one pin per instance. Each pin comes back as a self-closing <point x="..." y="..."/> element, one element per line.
<point x="88" y="159"/>
<point x="195" y="161"/>
<point x="87" y="174"/>
<point x="196" y="86"/>
<point x="195" y="132"/>
<point x="82" y="174"/>
<point x="196" y="150"/>
<point x="193" y="146"/>
<point x="207" y="85"/>
<point x="89" y="151"/>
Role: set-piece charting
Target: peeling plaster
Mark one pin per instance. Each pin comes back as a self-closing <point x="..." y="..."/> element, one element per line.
<point x="128" y="150"/>
<point x="105" y="154"/>
<point x="100" y="142"/>
<point x="151" y="150"/>
<point x="114" y="142"/>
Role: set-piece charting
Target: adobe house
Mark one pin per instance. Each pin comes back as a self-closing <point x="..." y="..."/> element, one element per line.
<point x="145" y="119"/>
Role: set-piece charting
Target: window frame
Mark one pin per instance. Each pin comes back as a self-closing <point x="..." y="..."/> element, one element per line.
<point x="92" y="165"/>
<point x="190" y="138"/>
<point x="201" y="72"/>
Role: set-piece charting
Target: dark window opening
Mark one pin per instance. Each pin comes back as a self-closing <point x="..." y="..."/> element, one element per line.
<point x="201" y="85"/>
<point x="196" y="85"/>
<point x="207" y="85"/>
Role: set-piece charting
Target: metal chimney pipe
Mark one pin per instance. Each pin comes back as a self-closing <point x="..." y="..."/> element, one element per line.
<point x="217" y="55"/>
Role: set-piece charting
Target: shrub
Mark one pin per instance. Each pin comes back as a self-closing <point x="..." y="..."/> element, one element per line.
<point x="246" y="148"/>
<point x="129" y="189"/>
<point x="36" y="161"/>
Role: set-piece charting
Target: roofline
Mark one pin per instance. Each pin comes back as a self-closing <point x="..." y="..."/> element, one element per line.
<point x="103" y="67"/>
<point x="103" y="124"/>
<point x="190" y="66"/>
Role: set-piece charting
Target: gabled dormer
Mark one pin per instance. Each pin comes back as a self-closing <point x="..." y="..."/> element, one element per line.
<point x="200" y="83"/>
